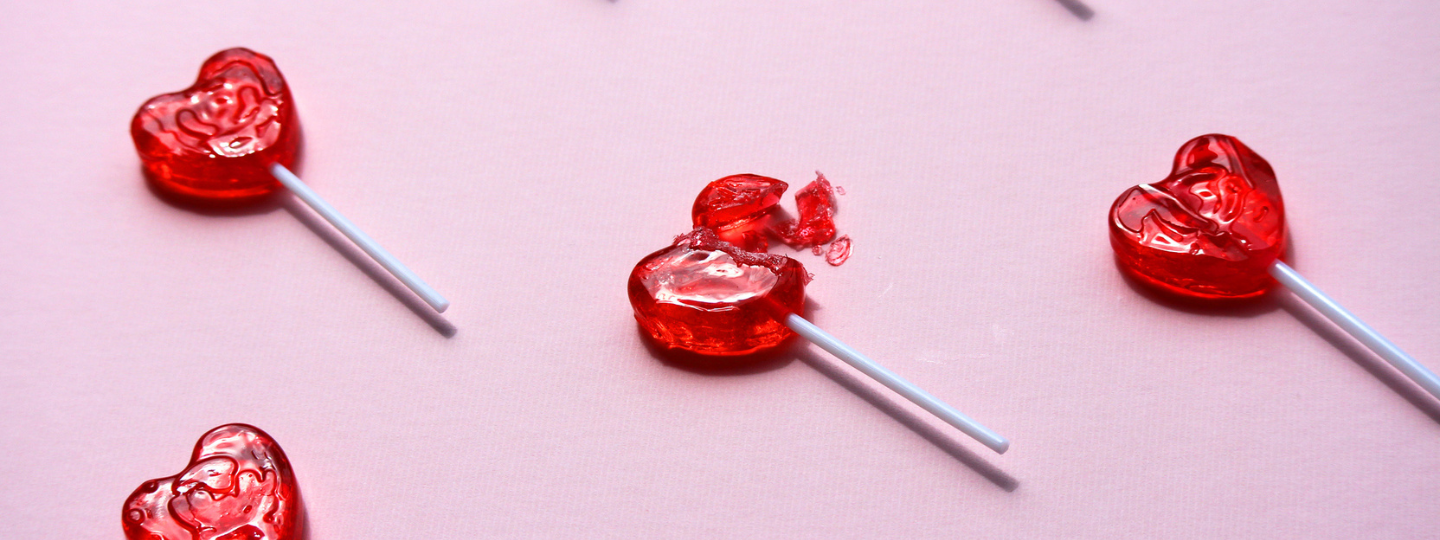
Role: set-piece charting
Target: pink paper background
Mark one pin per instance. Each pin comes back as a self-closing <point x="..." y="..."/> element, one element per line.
<point x="522" y="155"/>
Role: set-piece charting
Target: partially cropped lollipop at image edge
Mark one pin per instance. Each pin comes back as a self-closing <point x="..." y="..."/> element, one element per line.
<point x="232" y="138"/>
<point x="1215" y="230"/>
<point x="238" y="485"/>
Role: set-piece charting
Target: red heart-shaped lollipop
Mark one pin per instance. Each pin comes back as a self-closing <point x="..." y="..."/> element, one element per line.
<point x="710" y="297"/>
<point x="217" y="139"/>
<point x="1209" y="230"/>
<point x="238" y="486"/>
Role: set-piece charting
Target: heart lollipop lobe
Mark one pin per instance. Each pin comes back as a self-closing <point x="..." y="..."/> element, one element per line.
<point x="1209" y="230"/>
<point x="736" y="207"/>
<point x="706" y="296"/>
<point x="215" y="140"/>
<point x="238" y="486"/>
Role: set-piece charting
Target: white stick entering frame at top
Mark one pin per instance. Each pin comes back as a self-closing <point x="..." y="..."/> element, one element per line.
<point x="901" y="386"/>
<point x="369" y="245"/>
<point x="1347" y="321"/>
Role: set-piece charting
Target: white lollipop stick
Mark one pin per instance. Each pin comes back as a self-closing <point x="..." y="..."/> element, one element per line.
<point x="901" y="386"/>
<point x="1356" y="328"/>
<point x="369" y="245"/>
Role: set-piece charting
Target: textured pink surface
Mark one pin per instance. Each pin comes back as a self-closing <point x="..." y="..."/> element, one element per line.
<point x="515" y="153"/>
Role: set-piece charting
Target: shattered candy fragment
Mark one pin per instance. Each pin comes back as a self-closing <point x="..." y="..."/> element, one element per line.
<point x="742" y="209"/>
<point x="238" y="486"/>
<point x="1209" y="230"/>
<point x="707" y="296"/>
<point x="215" y="140"/>
<point x="816" y="225"/>
<point x="839" y="251"/>
<point x="736" y="208"/>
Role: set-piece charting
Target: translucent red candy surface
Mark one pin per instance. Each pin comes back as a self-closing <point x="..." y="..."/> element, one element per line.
<point x="1209" y="230"/>
<point x="216" y="139"/>
<point x="735" y="207"/>
<point x="238" y="486"/>
<point x="707" y="296"/>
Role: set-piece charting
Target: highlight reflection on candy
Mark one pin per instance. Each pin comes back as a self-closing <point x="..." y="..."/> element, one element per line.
<point x="709" y="297"/>
<point x="237" y="486"/>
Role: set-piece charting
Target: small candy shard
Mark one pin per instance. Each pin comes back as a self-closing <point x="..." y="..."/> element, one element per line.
<point x="839" y="251"/>
<point x="816" y="226"/>
<point x="736" y="208"/>
<point x="707" y="296"/>
<point x="238" y="485"/>
<point x="215" y="140"/>
<point x="1209" y="230"/>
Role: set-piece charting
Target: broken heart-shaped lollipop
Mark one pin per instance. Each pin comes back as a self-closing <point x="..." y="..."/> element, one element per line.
<point x="231" y="138"/>
<point x="1210" y="230"/>
<point x="706" y="296"/>
<point x="1215" y="230"/>
<point x="238" y="485"/>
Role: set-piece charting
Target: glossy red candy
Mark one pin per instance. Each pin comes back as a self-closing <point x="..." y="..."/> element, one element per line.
<point x="816" y="225"/>
<point x="216" y="139"/>
<point x="238" y="486"/>
<point x="1210" y="230"/>
<point x="707" y="296"/>
<point x="735" y="207"/>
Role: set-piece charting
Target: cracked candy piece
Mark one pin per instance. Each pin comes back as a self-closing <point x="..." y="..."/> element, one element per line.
<point x="238" y="486"/>
<point x="736" y="208"/>
<point x="1209" y="230"/>
<point x="816" y="225"/>
<point x="707" y="296"/>
<point x="215" y="140"/>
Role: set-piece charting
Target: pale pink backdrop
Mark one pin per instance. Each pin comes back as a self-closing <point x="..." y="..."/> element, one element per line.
<point x="522" y="155"/>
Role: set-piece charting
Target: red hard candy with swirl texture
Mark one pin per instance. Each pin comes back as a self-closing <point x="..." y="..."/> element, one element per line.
<point x="238" y="486"/>
<point x="215" y="140"/>
<point x="1211" y="230"/>
<point x="709" y="297"/>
